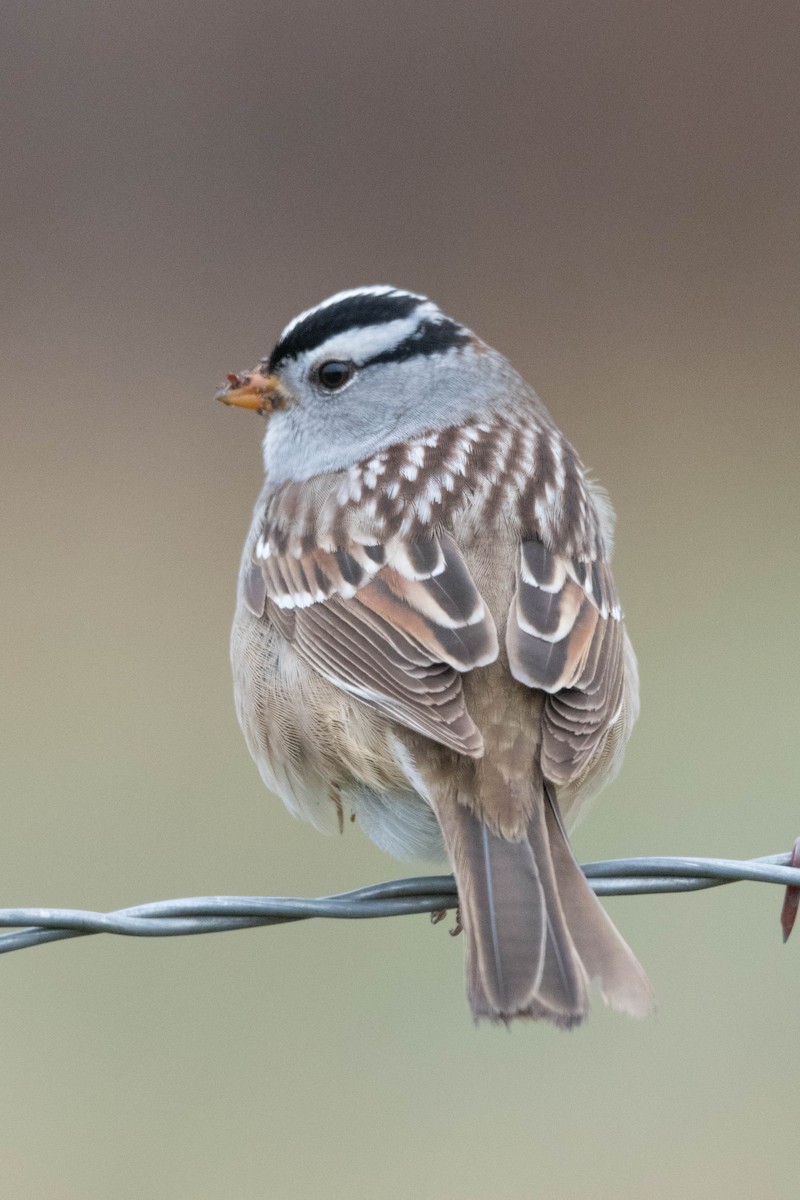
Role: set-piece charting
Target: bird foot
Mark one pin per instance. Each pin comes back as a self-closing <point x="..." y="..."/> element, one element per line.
<point x="439" y="915"/>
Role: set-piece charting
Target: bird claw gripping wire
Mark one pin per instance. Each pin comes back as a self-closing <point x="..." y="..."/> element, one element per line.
<point x="440" y="915"/>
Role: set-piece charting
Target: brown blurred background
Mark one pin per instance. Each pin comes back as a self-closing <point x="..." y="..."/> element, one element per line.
<point x="609" y="194"/>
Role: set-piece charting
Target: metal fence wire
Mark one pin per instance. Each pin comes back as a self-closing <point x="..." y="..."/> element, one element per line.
<point x="427" y="894"/>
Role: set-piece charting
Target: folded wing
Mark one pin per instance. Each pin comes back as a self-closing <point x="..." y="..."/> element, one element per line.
<point x="392" y="623"/>
<point x="565" y="635"/>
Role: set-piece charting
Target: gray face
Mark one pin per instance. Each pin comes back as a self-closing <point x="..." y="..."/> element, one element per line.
<point x="406" y="368"/>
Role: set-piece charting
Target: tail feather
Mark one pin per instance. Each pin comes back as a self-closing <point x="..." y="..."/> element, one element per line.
<point x="534" y="930"/>
<point x="501" y="911"/>
<point x="603" y="950"/>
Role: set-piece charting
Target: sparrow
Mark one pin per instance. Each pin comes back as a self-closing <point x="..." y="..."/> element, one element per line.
<point x="428" y="637"/>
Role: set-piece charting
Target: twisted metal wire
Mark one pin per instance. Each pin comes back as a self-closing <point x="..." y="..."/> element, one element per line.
<point x="426" y="894"/>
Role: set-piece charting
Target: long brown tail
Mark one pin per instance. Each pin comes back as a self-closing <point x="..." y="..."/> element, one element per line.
<point x="535" y="931"/>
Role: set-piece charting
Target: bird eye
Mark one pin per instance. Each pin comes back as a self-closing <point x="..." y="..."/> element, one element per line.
<point x="334" y="374"/>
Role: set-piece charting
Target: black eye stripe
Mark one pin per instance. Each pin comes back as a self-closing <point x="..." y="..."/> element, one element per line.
<point x="432" y="337"/>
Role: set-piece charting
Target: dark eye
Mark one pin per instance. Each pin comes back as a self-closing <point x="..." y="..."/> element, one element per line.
<point x="333" y="374"/>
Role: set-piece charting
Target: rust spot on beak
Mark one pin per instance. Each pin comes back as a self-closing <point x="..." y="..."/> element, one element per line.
<point x="259" y="393"/>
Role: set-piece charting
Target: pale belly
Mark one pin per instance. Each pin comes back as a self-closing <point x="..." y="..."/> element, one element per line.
<point x="328" y="756"/>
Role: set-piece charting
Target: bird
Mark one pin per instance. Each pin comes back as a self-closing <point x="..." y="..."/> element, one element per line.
<point x="428" y="637"/>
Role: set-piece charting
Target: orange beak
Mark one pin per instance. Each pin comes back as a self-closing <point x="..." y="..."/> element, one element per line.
<point x="259" y="393"/>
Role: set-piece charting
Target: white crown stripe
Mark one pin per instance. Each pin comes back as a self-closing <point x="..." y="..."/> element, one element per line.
<point x="374" y="339"/>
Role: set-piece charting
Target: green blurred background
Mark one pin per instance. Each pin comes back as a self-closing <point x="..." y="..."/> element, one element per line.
<point x="609" y="194"/>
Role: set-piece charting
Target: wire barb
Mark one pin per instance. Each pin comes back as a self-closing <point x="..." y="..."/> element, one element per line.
<point x="432" y="894"/>
<point x="791" y="901"/>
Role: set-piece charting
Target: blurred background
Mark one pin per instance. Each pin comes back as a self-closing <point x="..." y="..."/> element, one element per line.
<point x="608" y="194"/>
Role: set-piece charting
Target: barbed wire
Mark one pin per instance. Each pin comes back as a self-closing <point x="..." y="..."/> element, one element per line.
<point x="399" y="897"/>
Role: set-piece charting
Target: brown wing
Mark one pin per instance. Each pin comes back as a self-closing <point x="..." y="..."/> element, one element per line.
<point x="565" y="635"/>
<point x="392" y="624"/>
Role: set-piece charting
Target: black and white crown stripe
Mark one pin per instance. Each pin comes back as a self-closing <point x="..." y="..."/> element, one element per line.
<point x="379" y="291"/>
<point x="393" y="326"/>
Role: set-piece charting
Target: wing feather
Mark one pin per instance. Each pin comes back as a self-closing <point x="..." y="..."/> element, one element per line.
<point x="393" y="623"/>
<point x="565" y="636"/>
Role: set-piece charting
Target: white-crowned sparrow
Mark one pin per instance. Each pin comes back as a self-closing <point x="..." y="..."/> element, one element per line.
<point x="428" y="637"/>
